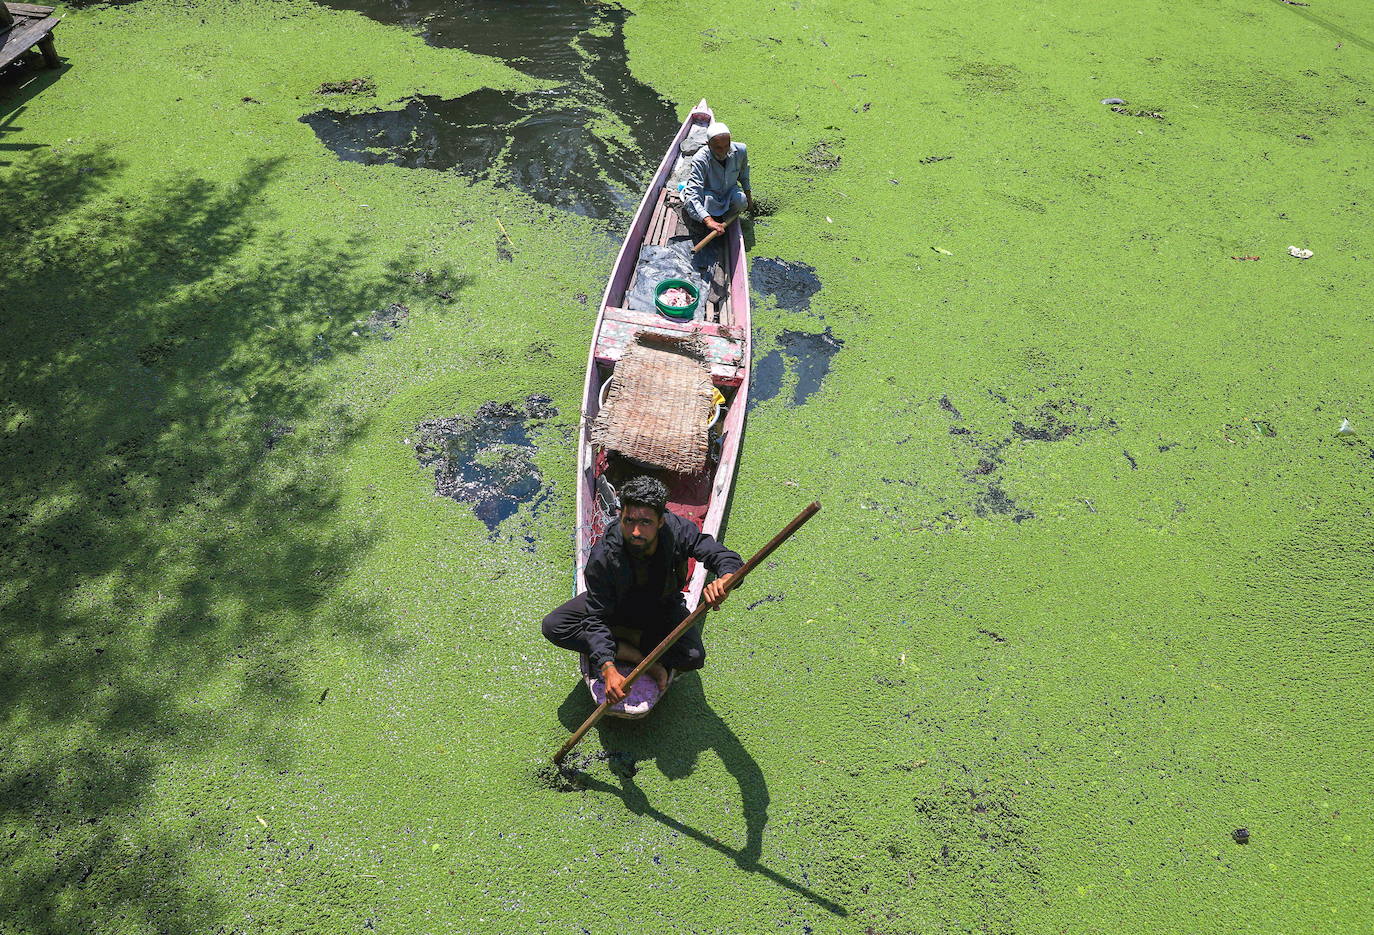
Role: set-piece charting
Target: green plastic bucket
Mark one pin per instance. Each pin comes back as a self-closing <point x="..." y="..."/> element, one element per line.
<point x="672" y="311"/>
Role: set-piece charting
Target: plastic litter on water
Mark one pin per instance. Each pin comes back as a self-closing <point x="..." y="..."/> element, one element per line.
<point x="1112" y="100"/>
<point x="1299" y="253"/>
<point x="1346" y="428"/>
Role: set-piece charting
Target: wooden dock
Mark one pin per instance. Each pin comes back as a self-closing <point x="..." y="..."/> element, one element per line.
<point x="23" y="26"/>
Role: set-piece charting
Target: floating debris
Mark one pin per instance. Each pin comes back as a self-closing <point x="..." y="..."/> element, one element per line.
<point x="994" y="501"/>
<point x="1299" y="253"/>
<point x="364" y="85"/>
<point x="822" y="157"/>
<point x="1154" y="114"/>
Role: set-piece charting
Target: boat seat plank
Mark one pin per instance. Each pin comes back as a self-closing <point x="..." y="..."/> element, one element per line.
<point x="679" y="228"/>
<point x="724" y="346"/>
<point x="655" y="231"/>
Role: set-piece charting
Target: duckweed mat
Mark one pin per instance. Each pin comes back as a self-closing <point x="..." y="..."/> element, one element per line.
<point x="1078" y="644"/>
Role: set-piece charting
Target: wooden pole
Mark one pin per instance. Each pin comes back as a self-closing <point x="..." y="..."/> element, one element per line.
<point x="705" y="240"/>
<point x="683" y="627"/>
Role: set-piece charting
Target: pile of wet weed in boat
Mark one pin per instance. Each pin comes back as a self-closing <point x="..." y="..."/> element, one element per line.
<point x="584" y="145"/>
<point x="486" y="459"/>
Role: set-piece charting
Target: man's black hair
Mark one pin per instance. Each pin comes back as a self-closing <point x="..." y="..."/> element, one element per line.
<point x="644" y="491"/>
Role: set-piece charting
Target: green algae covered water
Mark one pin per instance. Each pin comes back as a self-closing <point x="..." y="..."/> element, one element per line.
<point x="1079" y="642"/>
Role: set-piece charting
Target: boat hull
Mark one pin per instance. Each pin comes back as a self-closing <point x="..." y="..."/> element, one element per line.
<point x="701" y="498"/>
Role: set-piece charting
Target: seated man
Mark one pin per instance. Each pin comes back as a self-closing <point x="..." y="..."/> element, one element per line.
<point x="718" y="188"/>
<point x="635" y="576"/>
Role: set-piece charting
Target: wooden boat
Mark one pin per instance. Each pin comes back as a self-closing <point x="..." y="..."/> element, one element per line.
<point x="723" y="328"/>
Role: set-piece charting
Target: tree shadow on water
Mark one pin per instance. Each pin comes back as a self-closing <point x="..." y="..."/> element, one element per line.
<point x="20" y="83"/>
<point x="170" y="542"/>
<point x="682" y="727"/>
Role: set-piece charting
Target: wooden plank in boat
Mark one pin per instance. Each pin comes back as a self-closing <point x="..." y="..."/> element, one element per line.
<point x="650" y="319"/>
<point x="665" y="232"/>
<point x="656" y="219"/>
<point x="724" y="347"/>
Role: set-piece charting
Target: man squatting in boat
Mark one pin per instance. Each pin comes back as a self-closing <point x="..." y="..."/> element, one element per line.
<point x="718" y="188"/>
<point x="635" y="576"/>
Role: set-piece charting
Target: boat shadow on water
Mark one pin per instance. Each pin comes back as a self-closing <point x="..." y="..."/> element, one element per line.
<point x="682" y="727"/>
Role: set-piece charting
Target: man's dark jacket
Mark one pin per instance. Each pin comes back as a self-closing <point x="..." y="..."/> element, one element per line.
<point x="610" y="576"/>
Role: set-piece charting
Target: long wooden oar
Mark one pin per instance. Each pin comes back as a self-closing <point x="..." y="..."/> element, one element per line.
<point x="683" y="627"/>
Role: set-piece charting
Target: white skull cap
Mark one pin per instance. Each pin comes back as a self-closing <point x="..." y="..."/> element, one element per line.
<point x="716" y="129"/>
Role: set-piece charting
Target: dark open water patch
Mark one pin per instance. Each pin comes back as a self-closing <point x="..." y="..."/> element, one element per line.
<point x="531" y="141"/>
<point x="767" y="378"/>
<point x="807" y="354"/>
<point x="487" y="459"/>
<point x="538" y="142"/>
<point x="811" y="355"/>
<point x="992" y="500"/>
<point x="791" y="284"/>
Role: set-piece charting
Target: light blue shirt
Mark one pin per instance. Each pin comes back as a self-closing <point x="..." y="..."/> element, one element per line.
<point x="712" y="185"/>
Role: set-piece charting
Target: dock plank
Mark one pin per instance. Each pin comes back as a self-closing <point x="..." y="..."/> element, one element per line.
<point x="24" y="35"/>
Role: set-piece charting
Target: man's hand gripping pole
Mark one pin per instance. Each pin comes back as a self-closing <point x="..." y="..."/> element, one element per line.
<point x="683" y="627"/>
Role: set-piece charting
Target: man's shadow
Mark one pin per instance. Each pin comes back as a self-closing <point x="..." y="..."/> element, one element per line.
<point x="681" y="727"/>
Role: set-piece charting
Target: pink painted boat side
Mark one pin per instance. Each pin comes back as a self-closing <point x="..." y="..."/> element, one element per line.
<point x="733" y="425"/>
